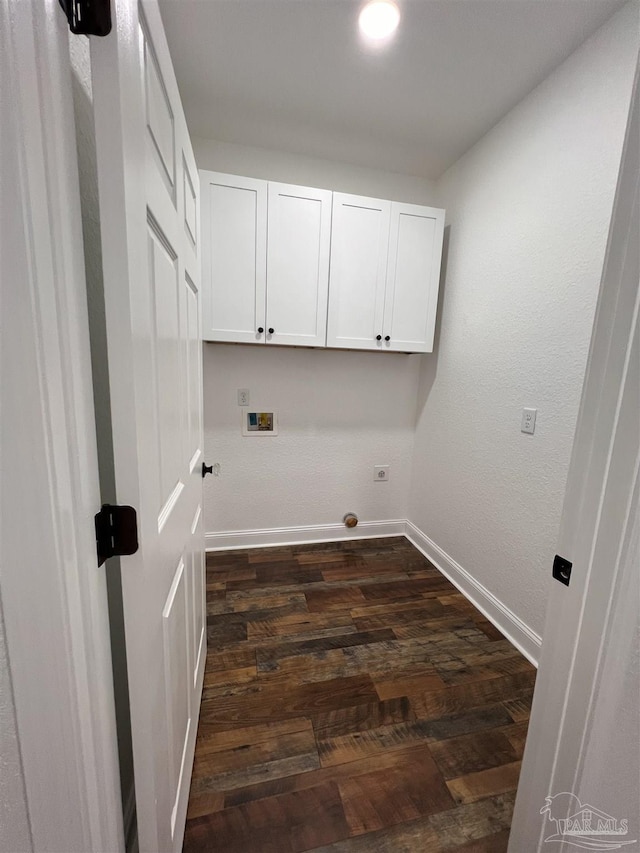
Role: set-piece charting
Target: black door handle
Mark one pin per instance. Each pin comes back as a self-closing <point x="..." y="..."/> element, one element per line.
<point x="270" y="331"/>
<point x="206" y="469"/>
<point x="260" y="329"/>
<point x="387" y="337"/>
<point x="378" y="337"/>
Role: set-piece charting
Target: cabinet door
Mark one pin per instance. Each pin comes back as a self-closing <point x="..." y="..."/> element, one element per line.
<point x="413" y="277"/>
<point x="234" y="257"/>
<point x="298" y="265"/>
<point x="359" y="248"/>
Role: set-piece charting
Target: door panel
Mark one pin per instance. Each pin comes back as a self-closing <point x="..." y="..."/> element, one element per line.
<point x="359" y="248"/>
<point x="198" y="602"/>
<point x="148" y="184"/>
<point x="299" y="223"/>
<point x="166" y="341"/>
<point x="190" y="204"/>
<point x="193" y="373"/>
<point x="234" y="214"/>
<point x="177" y="687"/>
<point x="159" y="114"/>
<point x="413" y="277"/>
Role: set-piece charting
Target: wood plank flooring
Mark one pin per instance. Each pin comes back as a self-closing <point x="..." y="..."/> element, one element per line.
<point x="354" y="702"/>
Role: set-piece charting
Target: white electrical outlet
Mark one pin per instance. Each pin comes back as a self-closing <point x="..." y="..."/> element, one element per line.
<point x="381" y="473"/>
<point x="528" y="424"/>
<point x="243" y="396"/>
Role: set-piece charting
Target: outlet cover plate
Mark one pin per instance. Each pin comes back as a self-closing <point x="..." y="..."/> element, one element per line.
<point x="528" y="424"/>
<point x="381" y="473"/>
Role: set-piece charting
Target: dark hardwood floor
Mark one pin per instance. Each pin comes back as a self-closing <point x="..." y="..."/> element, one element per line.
<point x="355" y="702"/>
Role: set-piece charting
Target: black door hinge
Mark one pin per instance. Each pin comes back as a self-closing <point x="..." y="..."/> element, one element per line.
<point x="562" y="570"/>
<point x="88" y="17"/>
<point x="116" y="532"/>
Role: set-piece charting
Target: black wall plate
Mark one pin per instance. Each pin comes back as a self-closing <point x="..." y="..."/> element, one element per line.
<point x="562" y="570"/>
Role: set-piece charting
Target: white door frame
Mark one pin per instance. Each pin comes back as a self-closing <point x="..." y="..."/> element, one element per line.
<point x="53" y="594"/>
<point x="596" y="533"/>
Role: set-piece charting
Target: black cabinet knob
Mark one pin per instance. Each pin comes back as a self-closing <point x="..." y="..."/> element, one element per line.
<point x="270" y="331"/>
<point x="206" y="469"/>
<point x="378" y="337"/>
<point x="387" y="337"/>
<point x="260" y="329"/>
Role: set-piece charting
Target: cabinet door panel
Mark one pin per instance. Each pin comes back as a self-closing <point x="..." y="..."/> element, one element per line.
<point x="413" y="277"/>
<point x="359" y="248"/>
<point x="234" y="265"/>
<point x="299" y="225"/>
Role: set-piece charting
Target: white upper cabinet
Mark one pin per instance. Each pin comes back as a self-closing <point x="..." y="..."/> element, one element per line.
<point x="283" y="264"/>
<point x="234" y="257"/>
<point x="413" y="277"/>
<point x="359" y="249"/>
<point x="299" y="229"/>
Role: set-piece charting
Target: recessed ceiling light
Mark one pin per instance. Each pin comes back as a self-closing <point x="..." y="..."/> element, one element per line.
<point x="379" y="19"/>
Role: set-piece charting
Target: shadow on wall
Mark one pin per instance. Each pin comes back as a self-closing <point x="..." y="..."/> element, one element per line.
<point x="429" y="362"/>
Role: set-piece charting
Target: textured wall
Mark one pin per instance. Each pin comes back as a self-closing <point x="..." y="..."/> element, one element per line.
<point x="529" y="208"/>
<point x="310" y="171"/>
<point x="340" y="412"/>
<point x="339" y="415"/>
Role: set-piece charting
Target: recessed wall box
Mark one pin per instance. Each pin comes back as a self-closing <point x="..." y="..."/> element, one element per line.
<point x="259" y="423"/>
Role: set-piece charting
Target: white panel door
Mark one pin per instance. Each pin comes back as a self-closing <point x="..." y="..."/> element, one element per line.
<point x="359" y="248"/>
<point x="299" y="229"/>
<point x="413" y="277"/>
<point x="234" y="257"/>
<point x="149" y="212"/>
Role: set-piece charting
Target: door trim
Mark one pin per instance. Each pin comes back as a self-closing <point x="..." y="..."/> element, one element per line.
<point x="600" y="507"/>
<point x="60" y="657"/>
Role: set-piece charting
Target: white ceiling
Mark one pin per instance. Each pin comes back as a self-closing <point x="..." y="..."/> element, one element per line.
<point x="294" y="75"/>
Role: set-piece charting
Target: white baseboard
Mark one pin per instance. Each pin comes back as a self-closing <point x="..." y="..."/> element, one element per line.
<point x="505" y="620"/>
<point x="274" y="536"/>
<point x="522" y="637"/>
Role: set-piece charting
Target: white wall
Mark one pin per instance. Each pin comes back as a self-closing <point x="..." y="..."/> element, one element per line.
<point x="529" y="208"/>
<point x="340" y="413"/>
<point x="273" y="165"/>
